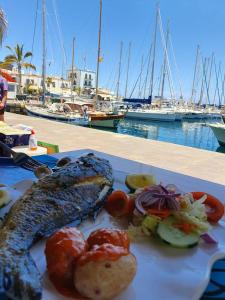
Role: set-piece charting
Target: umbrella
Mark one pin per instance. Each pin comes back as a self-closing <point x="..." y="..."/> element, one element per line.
<point x="8" y="77"/>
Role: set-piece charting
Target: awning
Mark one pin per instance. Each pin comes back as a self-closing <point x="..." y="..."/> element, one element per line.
<point x="8" y="77"/>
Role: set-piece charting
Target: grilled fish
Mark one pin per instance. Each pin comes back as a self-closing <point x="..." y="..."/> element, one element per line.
<point x="71" y="194"/>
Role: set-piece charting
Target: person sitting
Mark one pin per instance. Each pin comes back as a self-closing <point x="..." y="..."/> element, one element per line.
<point x="3" y="96"/>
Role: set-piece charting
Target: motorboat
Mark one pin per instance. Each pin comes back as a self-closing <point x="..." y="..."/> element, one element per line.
<point x="219" y="131"/>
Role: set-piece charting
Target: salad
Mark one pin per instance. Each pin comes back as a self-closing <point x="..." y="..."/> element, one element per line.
<point x="177" y="218"/>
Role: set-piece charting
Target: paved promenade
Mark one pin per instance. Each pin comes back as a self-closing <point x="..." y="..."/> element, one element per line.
<point x="203" y="164"/>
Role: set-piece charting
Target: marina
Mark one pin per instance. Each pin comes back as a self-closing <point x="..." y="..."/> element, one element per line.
<point x="112" y="150"/>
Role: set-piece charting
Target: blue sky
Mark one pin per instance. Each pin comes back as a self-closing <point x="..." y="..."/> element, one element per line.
<point x="192" y="22"/>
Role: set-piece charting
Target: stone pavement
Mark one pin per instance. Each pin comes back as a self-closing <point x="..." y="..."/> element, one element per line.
<point x="194" y="162"/>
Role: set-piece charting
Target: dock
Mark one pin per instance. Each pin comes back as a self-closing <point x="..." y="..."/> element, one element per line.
<point x="190" y="161"/>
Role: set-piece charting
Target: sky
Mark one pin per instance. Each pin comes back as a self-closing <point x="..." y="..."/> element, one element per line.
<point x="192" y="22"/>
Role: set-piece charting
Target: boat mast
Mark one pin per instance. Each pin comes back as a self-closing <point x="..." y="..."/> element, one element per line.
<point x="147" y="71"/>
<point x="204" y="63"/>
<point x="195" y="72"/>
<point x="72" y="69"/>
<point x="119" y="71"/>
<point x="99" y="50"/>
<point x="210" y="72"/>
<point x="139" y="89"/>
<point x="43" y="50"/>
<point x="154" y="47"/>
<point x="128" y="67"/>
<point x="164" y="62"/>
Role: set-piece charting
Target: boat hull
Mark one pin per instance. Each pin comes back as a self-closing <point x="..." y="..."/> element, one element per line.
<point x="151" y="116"/>
<point x="106" y="121"/>
<point x="219" y="131"/>
<point x="52" y="116"/>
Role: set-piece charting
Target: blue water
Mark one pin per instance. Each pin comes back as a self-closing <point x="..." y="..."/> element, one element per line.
<point x="189" y="133"/>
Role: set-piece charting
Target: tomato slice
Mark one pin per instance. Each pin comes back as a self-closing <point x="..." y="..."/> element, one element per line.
<point x="215" y="208"/>
<point x="162" y="213"/>
<point x="118" y="204"/>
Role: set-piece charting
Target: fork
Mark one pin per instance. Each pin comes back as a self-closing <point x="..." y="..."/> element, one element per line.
<point x="21" y="159"/>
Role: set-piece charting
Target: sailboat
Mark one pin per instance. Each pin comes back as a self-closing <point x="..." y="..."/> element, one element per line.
<point x="148" y="113"/>
<point x="78" y="112"/>
<point x="55" y="111"/>
<point x="99" y="114"/>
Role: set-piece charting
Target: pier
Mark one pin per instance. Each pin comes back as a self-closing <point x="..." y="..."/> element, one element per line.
<point x="203" y="164"/>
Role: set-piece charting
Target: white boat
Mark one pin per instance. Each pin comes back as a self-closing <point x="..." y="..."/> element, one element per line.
<point x="48" y="113"/>
<point x="219" y="131"/>
<point x="151" y="115"/>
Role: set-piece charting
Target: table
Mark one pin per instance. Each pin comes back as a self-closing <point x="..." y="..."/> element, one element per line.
<point x="26" y="150"/>
<point x="183" y="181"/>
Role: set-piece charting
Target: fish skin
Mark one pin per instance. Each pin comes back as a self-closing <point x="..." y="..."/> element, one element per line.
<point x="71" y="194"/>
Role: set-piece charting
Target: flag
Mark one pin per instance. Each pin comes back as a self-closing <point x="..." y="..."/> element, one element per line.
<point x="100" y="59"/>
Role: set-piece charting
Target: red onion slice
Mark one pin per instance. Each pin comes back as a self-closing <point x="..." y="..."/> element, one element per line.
<point x="208" y="238"/>
<point x="159" y="196"/>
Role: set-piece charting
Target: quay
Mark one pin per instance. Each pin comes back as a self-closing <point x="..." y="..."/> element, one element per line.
<point x="190" y="161"/>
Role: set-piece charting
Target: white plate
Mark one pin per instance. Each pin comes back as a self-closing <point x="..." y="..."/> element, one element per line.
<point x="163" y="272"/>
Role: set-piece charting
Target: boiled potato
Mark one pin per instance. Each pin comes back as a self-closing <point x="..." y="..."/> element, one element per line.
<point x="105" y="279"/>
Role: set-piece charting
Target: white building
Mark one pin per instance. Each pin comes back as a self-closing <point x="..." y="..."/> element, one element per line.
<point x="33" y="83"/>
<point x="83" y="79"/>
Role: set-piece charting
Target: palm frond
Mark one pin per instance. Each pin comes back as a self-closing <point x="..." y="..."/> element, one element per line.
<point x="10" y="48"/>
<point x="11" y="57"/>
<point x="3" y="26"/>
<point x="27" y="65"/>
<point x="19" y="52"/>
<point x="28" y="54"/>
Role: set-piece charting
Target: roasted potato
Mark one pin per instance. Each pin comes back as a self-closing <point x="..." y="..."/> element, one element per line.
<point x="103" y="278"/>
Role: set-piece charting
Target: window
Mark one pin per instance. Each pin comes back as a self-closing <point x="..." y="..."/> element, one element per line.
<point x="32" y="81"/>
<point x="85" y="76"/>
<point x="27" y="81"/>
<point x="89" y="83"/>
<point x="85" y="83"/>
<point x="74" y="83"/>
<point x="89" y="76"/>
<point x="75" y="75"/>
<point x="53" y="84"/>
<point x="11" y="88"/>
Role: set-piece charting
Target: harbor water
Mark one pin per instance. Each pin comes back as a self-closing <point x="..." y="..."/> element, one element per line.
<point x="188" y="133"/>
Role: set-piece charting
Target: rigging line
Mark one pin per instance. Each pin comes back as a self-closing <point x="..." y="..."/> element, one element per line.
<point x="176" y="67"/>
<point x="34" y="32"/>
<point x="48" y="27"/>
<point x="205" y="73"/>
<point x="167" y="56"/>
<point x="59" y="31"/>
<point x="204" y="63"/>
<point x="138" y="78"/>
<point x="147" y="71"/>
<point x="217" y="85"/>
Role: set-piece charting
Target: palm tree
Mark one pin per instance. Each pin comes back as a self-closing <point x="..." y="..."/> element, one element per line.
<point x="3" y="25"/>
<point x="18" y="58"/>
<point x="49" y="83"/>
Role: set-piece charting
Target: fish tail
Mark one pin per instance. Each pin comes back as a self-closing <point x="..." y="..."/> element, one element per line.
<point x="19" y="277"/>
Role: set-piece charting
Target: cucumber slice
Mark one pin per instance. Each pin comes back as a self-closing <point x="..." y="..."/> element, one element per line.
<point x="174" y="236"/>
